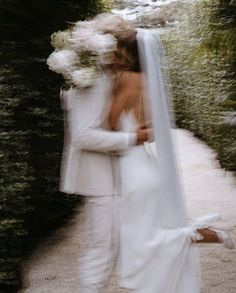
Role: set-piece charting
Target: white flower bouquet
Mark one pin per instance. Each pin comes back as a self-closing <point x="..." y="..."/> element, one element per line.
<point x="82" y="51"/>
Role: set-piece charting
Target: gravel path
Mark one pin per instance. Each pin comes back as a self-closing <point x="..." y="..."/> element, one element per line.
<point x="52" y="267"/>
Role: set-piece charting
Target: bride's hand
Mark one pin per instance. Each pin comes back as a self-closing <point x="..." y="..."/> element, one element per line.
<point x="143" y="135"/>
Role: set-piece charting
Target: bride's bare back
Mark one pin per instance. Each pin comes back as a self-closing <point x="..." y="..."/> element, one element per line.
<point x="127" y="96"/>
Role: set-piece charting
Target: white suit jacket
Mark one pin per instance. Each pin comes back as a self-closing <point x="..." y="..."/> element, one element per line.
<point x="86" y="167"/>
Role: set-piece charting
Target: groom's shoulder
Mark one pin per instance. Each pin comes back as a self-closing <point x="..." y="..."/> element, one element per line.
<point x="71" y="98"/>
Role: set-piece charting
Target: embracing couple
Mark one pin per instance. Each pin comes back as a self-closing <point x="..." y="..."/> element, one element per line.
<point x="119" y="155"/>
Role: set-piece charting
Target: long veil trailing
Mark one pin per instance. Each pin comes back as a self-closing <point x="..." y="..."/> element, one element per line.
<point x="156" y="89"/>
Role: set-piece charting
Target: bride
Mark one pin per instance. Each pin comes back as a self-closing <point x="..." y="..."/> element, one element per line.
<point x="157" y="251"/>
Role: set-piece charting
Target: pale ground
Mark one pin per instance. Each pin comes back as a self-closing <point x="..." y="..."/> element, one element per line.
<point x="52" y="267"/>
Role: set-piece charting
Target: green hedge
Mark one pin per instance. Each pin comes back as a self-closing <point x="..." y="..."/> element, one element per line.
<point x="31" y="127"/>
<point x="201" y="53"/>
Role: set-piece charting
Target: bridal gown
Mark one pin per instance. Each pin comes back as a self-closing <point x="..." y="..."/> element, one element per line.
<point x="153" y="259"/>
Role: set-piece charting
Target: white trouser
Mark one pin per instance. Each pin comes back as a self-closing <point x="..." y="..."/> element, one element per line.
<point x="100" y="243"/>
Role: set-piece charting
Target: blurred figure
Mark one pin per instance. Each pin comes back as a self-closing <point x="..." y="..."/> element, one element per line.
<point x="89" y="168"/>
<point x="157" y="254"/>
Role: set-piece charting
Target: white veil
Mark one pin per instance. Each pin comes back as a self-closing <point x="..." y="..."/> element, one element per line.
<point x="170" y="194"/>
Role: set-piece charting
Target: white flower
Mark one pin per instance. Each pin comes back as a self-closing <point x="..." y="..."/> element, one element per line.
<point x="89" y="44"/>
<point x="103" y="43"/>
<point x="81" y="39"/>
<point x="90" y="40"/>
<point x="61" y="39"/>
<point x="62" y="61"/>
<point x="84" y="77"/>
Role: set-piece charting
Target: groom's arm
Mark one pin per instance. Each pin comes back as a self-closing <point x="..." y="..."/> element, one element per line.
<point x="87" y="137"/>
<point x="91" y="138"/>
<point x="100" y="140"/>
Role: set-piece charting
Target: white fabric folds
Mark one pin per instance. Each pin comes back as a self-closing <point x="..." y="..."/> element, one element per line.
<point x="156" y="250"/>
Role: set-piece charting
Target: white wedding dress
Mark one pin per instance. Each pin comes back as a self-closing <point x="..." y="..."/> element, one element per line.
<point x="153" y="259"/>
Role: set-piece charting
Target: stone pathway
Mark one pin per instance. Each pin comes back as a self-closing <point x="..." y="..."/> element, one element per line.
<point x="53" y="266"/>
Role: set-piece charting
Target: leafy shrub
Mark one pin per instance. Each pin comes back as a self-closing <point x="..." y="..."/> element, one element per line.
<point x="31" y="127"/>
<point x="202" y="51"/>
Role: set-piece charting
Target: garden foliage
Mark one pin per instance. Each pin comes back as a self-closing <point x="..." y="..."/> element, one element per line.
<point x="31" y="126"/>
<point x="201" y="53"/>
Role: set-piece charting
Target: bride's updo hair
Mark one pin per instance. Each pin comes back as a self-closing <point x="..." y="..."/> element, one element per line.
<point x="131" y="58"/>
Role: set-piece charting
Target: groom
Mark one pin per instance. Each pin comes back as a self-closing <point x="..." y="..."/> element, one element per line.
<point x="89" y="169"/>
